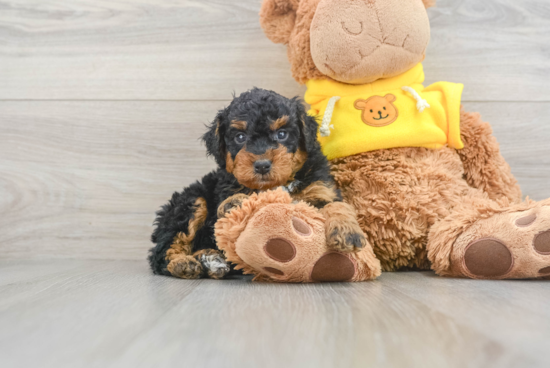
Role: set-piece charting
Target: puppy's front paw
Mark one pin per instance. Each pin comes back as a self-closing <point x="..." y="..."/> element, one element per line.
<point x="230" y="203"/>
<point x="213" y="262"/>
<point x="186" y="267"/>
<point x="345" y="239"/>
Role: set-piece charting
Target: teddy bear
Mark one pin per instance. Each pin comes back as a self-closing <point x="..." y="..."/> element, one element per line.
<point x="425" y="177"/>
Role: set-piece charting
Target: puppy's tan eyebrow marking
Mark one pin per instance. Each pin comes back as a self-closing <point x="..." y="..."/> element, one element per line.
<point x="241" y="125"/>
<point x="279" y="123"/>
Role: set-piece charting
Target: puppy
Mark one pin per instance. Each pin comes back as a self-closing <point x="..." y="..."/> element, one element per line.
<point x="261" y="141"/>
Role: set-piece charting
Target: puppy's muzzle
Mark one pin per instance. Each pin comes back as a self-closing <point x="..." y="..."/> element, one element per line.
<point x="262" y="167"/>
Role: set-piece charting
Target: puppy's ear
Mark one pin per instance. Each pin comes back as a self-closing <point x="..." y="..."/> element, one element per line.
<point x="215" y="141"/>
<point x="310" y="133"/>
<point x="277" y="18"/>
<point x="308" y="127"/>
<point x="429" y="3"/>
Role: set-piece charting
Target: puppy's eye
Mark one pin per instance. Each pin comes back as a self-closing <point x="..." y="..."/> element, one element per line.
<point x="282" y="135"/>
<point x="240" y="138"/>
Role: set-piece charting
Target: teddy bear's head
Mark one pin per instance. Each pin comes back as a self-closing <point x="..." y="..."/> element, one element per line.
<point x="351" y="41"/>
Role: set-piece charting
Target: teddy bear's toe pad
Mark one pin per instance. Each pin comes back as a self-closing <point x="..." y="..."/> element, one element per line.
<point x="280" y="250"/>
<point x="333" y="267"/>
<point x="488" y="258"/>
<point x="301" y="227"/>
<point x="542" y="242"/>
<point x="526" y="220"/>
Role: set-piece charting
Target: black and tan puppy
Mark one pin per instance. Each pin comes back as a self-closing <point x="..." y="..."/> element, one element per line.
<point x="261" y="141"/>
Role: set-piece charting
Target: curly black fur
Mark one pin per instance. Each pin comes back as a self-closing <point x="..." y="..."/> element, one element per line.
<point x="258" y="108"/>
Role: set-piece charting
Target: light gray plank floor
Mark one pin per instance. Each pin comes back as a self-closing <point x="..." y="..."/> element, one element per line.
<point x="76" y="313"/>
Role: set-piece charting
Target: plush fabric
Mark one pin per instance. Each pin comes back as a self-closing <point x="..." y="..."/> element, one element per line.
<point x="487" y="221"/>
<point x="277" y="240"/>
<point x="359" y="42"/>
<point x="455" y="209"/>
<point x="360" y="123"/>
<point x="393" y="38"/>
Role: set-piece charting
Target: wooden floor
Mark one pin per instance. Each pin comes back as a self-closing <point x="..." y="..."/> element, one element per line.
<point x="102" y="103"/>
<point x="116" y="314"/>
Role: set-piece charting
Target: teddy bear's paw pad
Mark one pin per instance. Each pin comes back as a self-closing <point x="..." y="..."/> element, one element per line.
<point x="488" y="258"/>
<point x="333" y="267"/>
<point x="544" y="271"/>
<point x="526" y="221"/>
<point x="542" y="243"/>
<point x="186" y="267"/>
<point x="280" y="250"/>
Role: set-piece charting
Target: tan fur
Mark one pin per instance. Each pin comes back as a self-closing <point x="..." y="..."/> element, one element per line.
<point x="484" y="166"/>
<point x="317" y="192"/>
<point x="277" y="18"/>
<point x="301" y="62"/>
<point x="398" y="195"/>
<point x="279" y="123"/>
<point x="230" y="203"/>
<point x="340" y="222"/>
<point x="284" y="166"/>
<point x="402" y="194"/>
<point x="183" y="243"/>
<point x="229" y="163"/>
<point x="185" y="267"/>
<point x="240" y="125"/>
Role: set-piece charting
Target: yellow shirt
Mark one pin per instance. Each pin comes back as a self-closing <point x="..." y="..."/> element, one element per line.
<point x="389" y="113"/>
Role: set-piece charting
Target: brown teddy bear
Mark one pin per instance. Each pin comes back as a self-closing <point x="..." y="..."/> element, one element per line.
<point x="427" y="180"/>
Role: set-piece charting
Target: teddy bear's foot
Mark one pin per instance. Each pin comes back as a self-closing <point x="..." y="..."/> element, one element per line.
<point x="508" y="245"/>
<point x="286" y="242"/>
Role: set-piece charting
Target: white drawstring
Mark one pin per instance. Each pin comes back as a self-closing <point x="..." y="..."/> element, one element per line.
<point x="325" y="125"/>
<point x="421" y="104"/>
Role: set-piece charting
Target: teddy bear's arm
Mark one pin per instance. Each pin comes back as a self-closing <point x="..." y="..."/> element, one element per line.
<point x="484" y="166"/>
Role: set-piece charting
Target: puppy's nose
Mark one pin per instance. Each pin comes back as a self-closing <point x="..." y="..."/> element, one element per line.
<point x="262" y="167"/>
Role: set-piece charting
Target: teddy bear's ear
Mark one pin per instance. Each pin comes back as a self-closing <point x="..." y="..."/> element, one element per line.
<point x="429" y="3"/>
<point x="277" y="18"/>
<point x="214" y="139"/>
<point x="390" y="98"/>
<point x="360" y="104"/>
